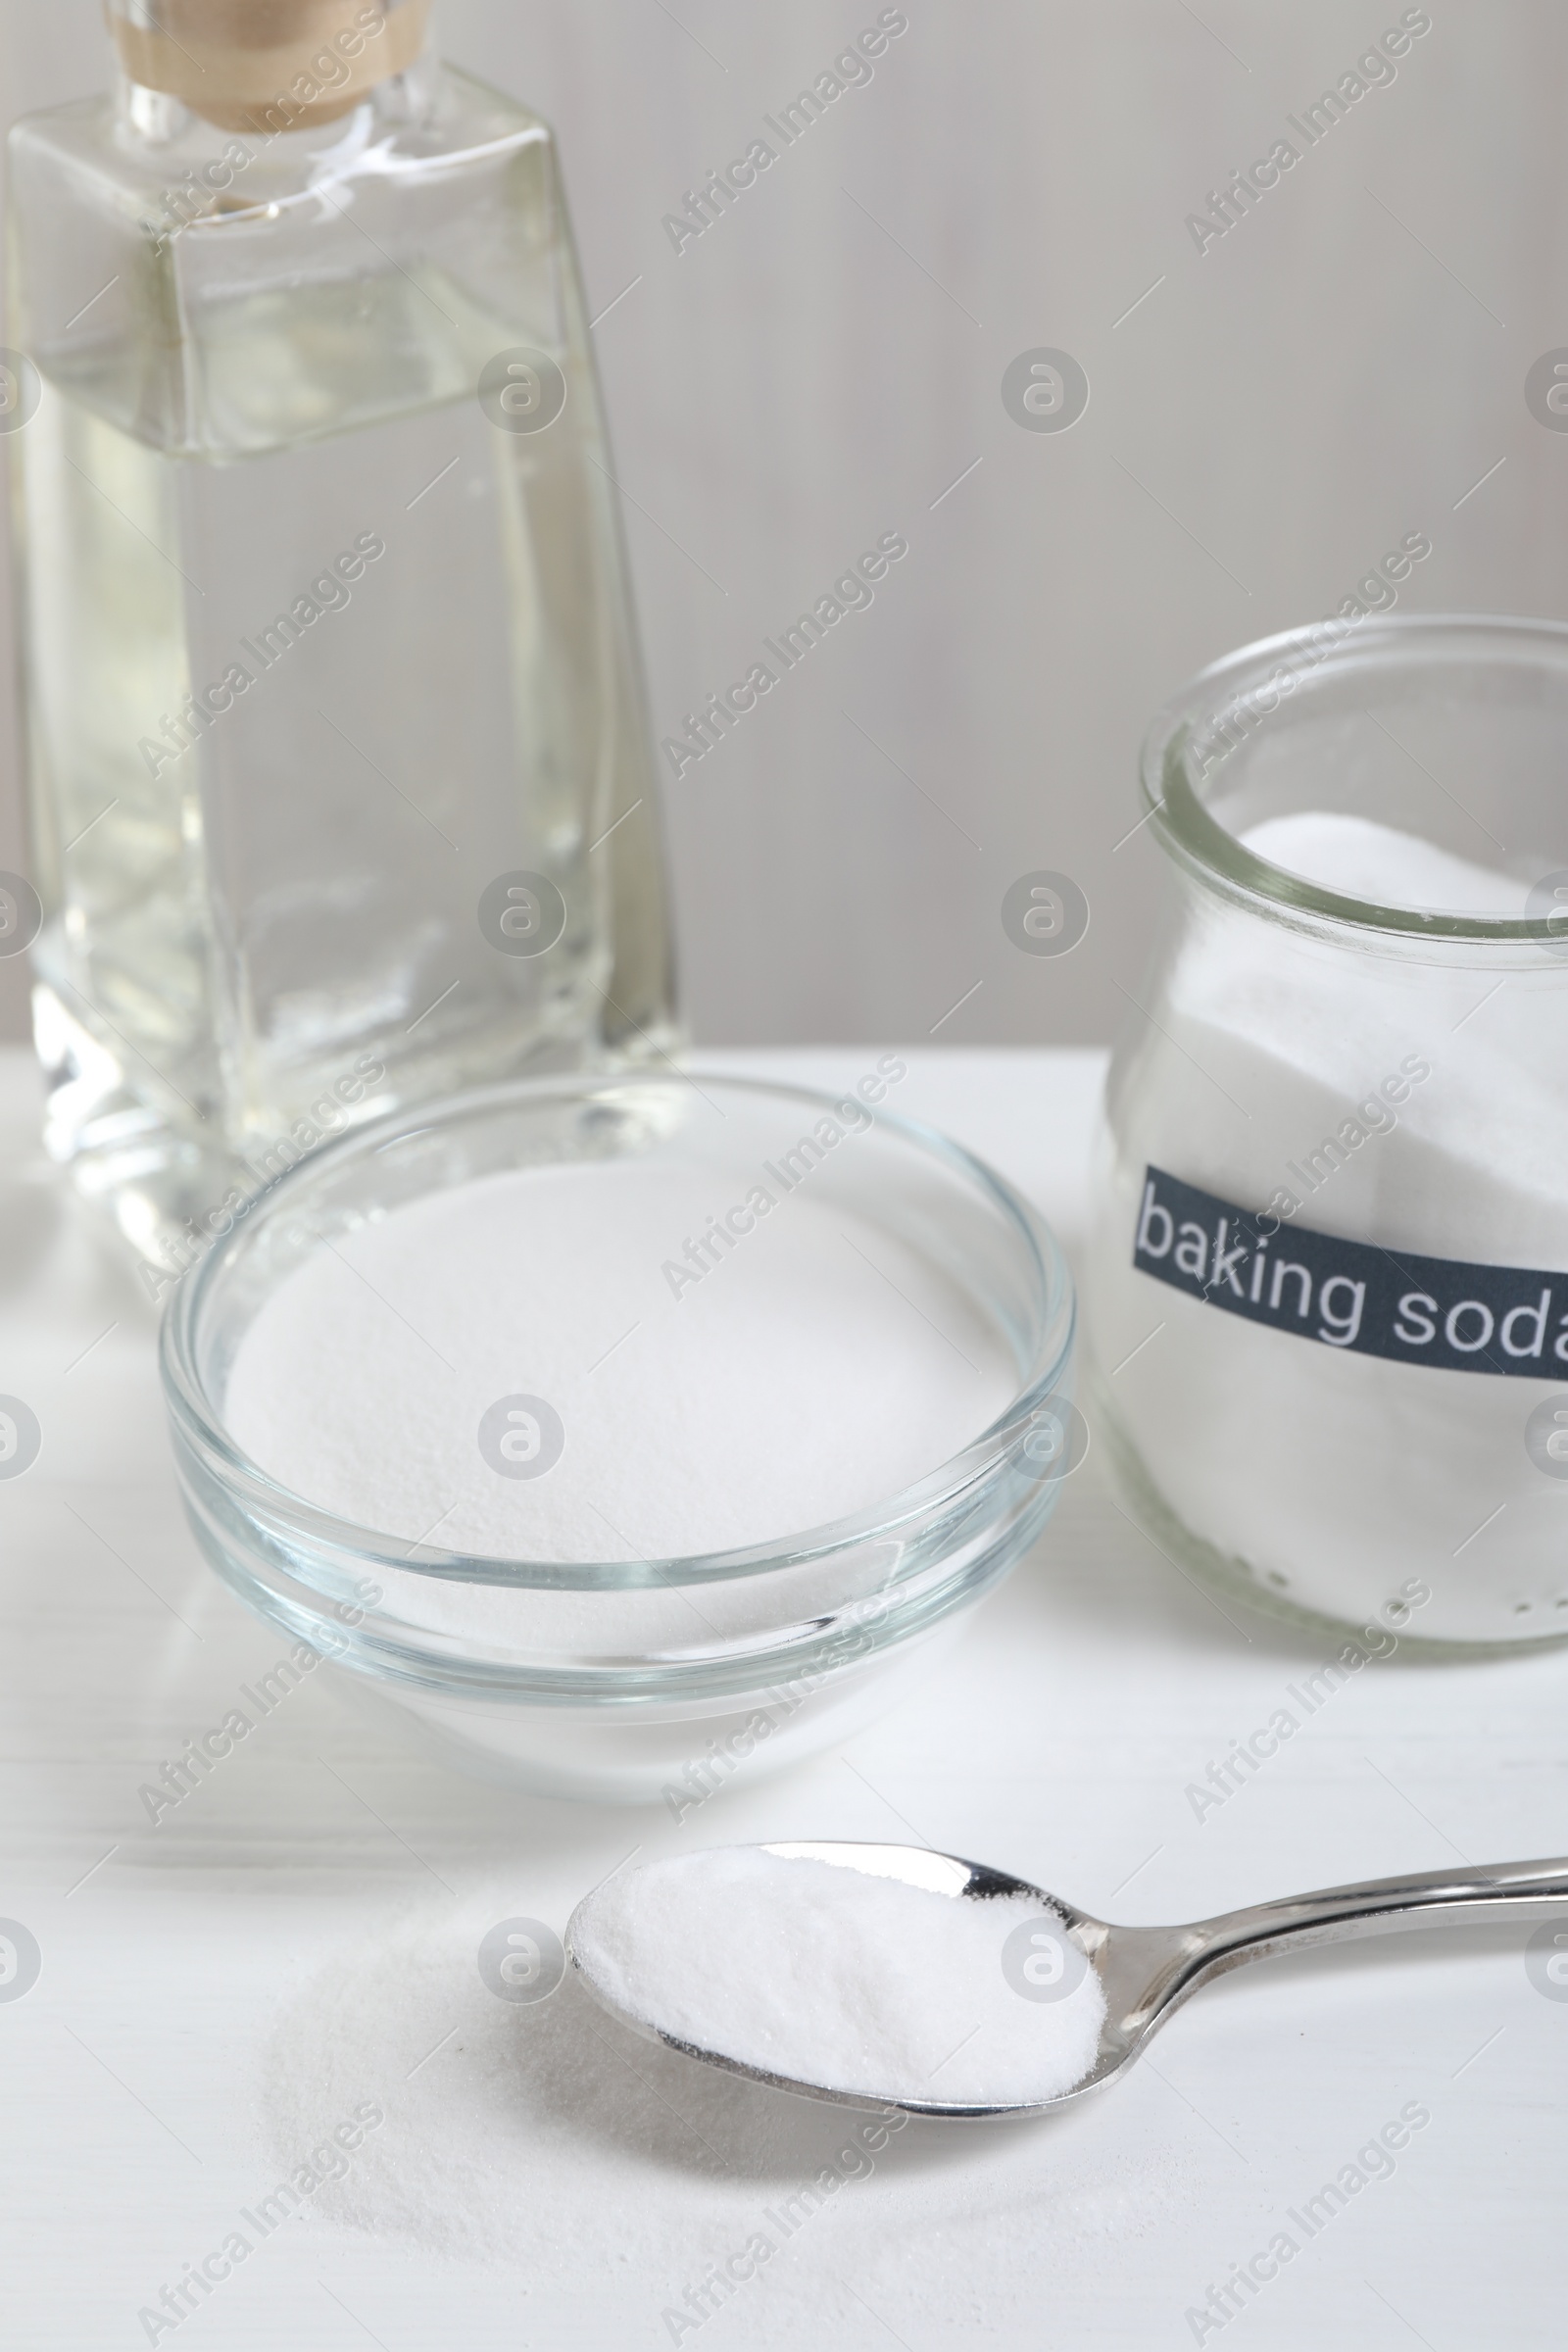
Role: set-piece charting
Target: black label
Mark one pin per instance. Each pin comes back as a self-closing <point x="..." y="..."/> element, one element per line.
<point x="1369" y="1301"/>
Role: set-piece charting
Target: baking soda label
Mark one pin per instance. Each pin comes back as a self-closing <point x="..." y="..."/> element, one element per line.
<point x="1350" y="1295"/>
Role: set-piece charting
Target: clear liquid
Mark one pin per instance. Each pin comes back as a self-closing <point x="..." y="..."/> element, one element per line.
<point x="236" y="927"/>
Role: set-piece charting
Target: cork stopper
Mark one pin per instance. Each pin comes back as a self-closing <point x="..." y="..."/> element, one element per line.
<point x="266" y="66"/>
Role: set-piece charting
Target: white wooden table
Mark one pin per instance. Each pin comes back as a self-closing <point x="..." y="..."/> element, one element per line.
<point x="188" y="1966"/>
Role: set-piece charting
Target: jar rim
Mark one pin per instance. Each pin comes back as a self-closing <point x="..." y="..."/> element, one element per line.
<point x="1227" y="698"/>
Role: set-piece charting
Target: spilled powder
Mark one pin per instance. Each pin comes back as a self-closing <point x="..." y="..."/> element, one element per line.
<point x="823" y="1974"/>
<point x="551" y="2143"/>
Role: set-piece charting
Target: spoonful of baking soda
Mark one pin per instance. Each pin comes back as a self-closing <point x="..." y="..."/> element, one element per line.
<point x="890" y="1976"/>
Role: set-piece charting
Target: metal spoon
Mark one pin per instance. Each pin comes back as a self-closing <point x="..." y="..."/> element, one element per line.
<point x="1149" y="1971"/>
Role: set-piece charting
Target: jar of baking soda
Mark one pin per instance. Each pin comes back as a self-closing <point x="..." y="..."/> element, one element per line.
<point x="1327" y="1298"/>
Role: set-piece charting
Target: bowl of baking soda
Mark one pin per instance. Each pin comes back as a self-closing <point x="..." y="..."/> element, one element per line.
<point x="625" y="1434"/>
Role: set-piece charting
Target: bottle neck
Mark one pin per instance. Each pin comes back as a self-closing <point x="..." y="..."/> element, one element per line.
<point x="265" y="66"/>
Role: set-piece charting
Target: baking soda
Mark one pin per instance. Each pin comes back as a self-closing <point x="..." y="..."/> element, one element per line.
<point x="1334" y="1478"/>
<point x="1360" y="860"/>
<point x="549" y="2141"/>
<point x="817" y="1371"/>
<point x="823" y="1974"/>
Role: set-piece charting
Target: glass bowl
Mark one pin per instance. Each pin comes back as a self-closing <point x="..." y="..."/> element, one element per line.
<point x="798" y="1640"/>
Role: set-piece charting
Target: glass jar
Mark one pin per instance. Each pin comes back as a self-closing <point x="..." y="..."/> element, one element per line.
<point x="1327" y="1298"/>
<point x="341" y="784"/>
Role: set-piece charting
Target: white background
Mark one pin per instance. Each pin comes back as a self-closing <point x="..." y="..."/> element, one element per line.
<point x="818" y="367"/>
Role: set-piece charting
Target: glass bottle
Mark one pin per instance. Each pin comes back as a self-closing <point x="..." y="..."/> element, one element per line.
<point x="1327" y="1297"/>
<point x="340" y="782"/>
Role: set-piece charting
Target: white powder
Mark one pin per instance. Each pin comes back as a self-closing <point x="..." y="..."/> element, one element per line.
<point x="824" y="1975"/>
<point x="551" y="2138"/>
<point x="1336" y="1477"/>
<point x="1364" y="860"/>
<point x="819" y="1370"/>
<point x="543" y="2134"/>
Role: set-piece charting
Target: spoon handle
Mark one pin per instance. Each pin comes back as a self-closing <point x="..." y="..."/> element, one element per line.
<point x="1527" y="1891"/>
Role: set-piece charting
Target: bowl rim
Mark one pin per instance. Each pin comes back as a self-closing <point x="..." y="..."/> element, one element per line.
<point x="281" y="1512"/>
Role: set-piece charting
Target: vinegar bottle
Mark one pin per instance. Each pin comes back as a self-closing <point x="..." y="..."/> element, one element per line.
<point x="341" y="783"/>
